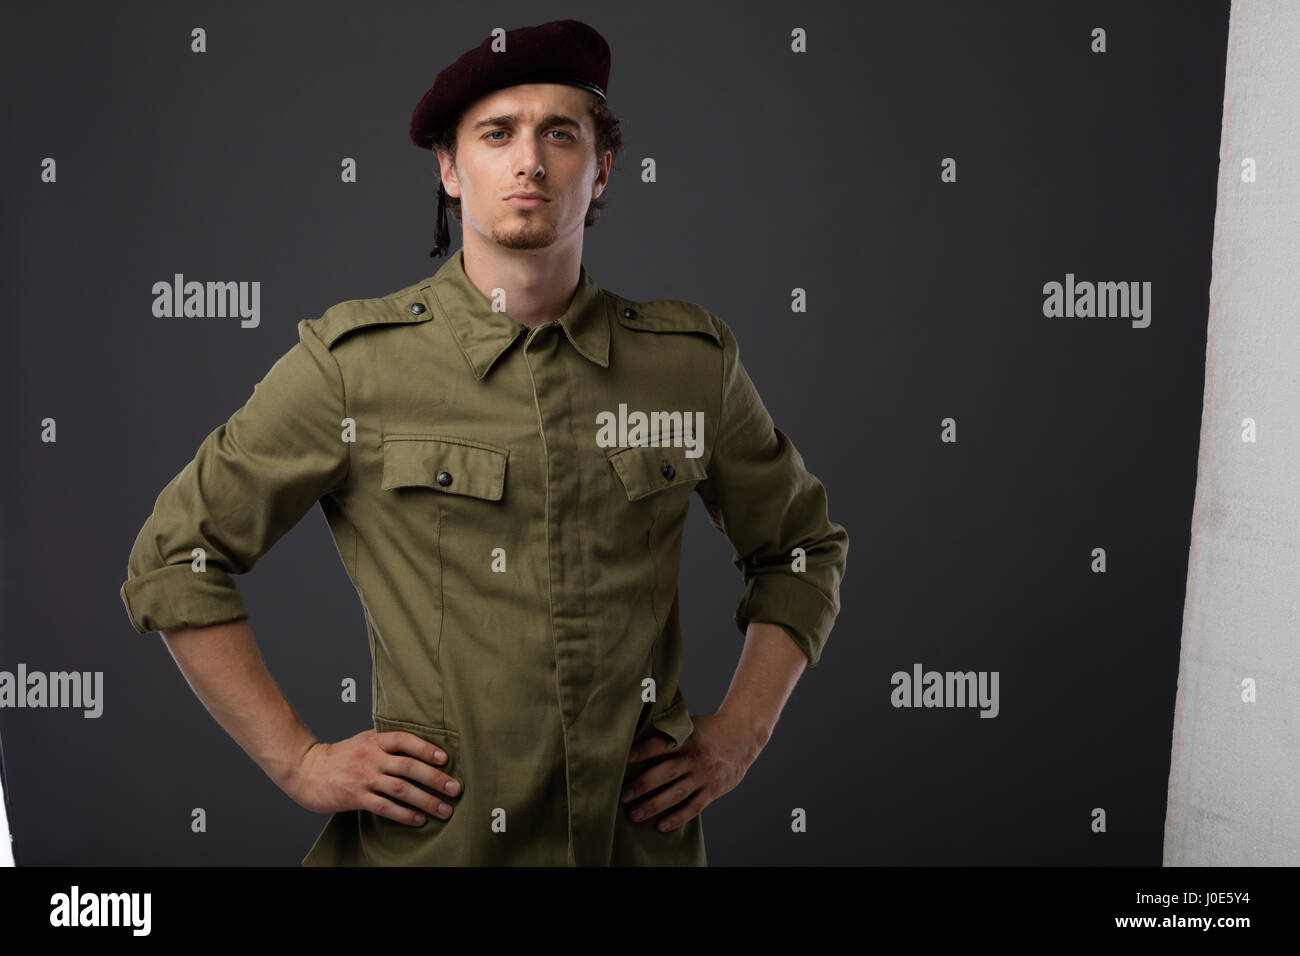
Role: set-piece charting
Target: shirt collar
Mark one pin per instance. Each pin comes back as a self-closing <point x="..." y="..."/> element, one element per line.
<point x="483" y="335"/>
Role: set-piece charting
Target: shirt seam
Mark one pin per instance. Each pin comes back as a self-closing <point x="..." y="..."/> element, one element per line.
<point x="442" y="616"/>
<point x="654" y="584"/>
<point x="550" y="604"/>
<point x="722" y="397"/>
<point x="343" y="397"/>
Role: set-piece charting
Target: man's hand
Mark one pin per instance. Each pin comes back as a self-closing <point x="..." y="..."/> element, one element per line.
<point x="710" y="762"/>
<point x="360" y="773"/>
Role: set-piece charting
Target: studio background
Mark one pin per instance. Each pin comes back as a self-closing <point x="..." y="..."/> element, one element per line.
<point x="776" y="170"/>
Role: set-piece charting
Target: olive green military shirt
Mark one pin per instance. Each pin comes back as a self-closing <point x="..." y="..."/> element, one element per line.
<point x="509" y="504"/>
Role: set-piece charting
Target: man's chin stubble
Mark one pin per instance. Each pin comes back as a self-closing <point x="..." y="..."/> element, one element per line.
<point x="530" y="235"/>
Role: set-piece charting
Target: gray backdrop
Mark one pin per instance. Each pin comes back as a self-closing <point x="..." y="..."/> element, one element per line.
<point x="776" y="170"/>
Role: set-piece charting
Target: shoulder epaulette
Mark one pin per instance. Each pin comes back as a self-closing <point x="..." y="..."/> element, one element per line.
<point x="665" y="315"/>
<point x="404" y="306"/>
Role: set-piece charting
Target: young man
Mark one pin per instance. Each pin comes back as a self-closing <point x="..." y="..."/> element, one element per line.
<point x="505" y="454"/>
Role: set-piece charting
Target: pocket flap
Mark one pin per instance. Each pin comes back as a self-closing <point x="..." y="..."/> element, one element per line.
<point x="675" y="721"/>
<point x="457" y="466"/>
<point x="645" y="469"/>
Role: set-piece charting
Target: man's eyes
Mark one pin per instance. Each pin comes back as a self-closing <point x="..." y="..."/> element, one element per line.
<point x="495" y="131"/>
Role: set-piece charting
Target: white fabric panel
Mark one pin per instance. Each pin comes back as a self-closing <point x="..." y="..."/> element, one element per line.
<point x="1234" y="782"/>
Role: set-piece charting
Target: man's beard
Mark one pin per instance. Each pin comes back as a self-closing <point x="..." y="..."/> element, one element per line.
<point x="528" y="232"/>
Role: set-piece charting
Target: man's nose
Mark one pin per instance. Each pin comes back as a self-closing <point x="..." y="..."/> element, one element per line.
<point x="529" y="158"/>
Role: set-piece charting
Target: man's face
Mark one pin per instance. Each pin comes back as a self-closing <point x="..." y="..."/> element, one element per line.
<point x="536" y="138"/>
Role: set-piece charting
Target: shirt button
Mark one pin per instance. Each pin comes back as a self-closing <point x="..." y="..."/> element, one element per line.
<point x="417" y="308"/>
<point x="668" y="470"/>
<point x="444" y="478"/>
<point x="629" y="313"/>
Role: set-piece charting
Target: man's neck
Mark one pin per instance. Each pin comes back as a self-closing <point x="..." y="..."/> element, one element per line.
<point x="536" y="285"/>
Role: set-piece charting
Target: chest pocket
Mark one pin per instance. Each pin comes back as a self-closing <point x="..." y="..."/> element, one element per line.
<point x="646" y="469"/>
<point x="454" y="466"/>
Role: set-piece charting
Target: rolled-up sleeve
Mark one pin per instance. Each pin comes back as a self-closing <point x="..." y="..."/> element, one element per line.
<point x="251" y="480"/>
<point x="759" y="494"/>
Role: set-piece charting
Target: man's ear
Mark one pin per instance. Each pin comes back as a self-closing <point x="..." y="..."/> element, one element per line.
<point x="602" y="173"/>
<point x="447" y="174"/>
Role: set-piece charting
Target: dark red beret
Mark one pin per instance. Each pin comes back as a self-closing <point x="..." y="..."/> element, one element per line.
<point x="562" y="51"/>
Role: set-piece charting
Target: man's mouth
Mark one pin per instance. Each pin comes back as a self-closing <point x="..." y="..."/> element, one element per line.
<point x="526" y="200"/>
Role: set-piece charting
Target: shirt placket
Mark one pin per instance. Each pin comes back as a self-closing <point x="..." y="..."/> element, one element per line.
<point x="574" y="664"/>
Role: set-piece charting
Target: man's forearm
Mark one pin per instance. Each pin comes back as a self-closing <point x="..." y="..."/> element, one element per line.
<point x="770" y="666"/>
<point x="226" y="671"/>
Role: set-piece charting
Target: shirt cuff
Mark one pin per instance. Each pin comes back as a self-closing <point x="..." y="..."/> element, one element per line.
<point x="176" y="596"/>
<point x="786" y="599"/>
